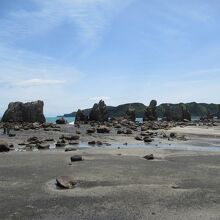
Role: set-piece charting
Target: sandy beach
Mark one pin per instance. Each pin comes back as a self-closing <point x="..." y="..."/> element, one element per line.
<point x="114" y="182"/>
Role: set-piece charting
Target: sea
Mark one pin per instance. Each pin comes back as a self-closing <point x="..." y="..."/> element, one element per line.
<point x="70" y="120"/>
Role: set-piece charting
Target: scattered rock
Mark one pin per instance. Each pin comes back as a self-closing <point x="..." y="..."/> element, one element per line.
<point x="138" y="138"/>
<point x="149" y="157"/>
<point x="103" y="129"/>
<point x="90" y="131"/>
<point x="91" y="143"/>
<point x="11" y="135"/>
<point x="76" y="158"/>
<point x="70" y="149"/>
<point x="61" y="121"/>
<point x="65" y="182"/>
<point x="43" y="146"/>
<point x="4" y="146"/>
<point x="148" y="140"/>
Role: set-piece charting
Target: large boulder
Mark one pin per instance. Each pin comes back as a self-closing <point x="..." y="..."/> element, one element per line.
<point x="80" y="117"/>
<point x="99" y="112"/>
<point x="61" y="121"/>
<point x="130" y="114"/>
<point x="150" y="113"/>
<point x="24" y="112"/>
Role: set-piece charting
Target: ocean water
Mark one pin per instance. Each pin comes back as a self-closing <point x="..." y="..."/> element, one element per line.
<point x="53" y="119"/>
<point x="72" y="119"/>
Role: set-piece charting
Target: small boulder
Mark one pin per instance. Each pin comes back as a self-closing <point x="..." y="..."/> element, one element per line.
<point x="76" y="158"/>
<point x="149" y="157"/>
<point x="4" y="146"/>
<point x="65" y="182"/>
<point x="103" y="129"/>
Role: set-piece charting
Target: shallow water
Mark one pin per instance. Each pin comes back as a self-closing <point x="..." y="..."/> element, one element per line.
<point x="146" y="146"/>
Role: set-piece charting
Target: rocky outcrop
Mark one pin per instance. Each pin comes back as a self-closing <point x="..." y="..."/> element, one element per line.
<point x="150" y="113"/>
<point x="218" y="113"/>
<point x="179" y="113"/>
<point x="130" y="114"/>
<point x="80" y="117"/>
<point x="24" y="112"/>
<point x="99" y="112"/>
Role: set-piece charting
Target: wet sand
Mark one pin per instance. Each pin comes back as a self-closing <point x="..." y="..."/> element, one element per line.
<point x="113" y="183"/>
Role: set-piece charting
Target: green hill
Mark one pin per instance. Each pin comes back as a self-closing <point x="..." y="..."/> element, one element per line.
<point x="196" y="109"/>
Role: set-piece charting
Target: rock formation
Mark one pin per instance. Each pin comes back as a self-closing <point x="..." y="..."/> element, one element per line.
<point x="150" y="113"/>
<point x="130" y="114"/>
<point x="24" y="112"/>
<point x="99" y="112"/>
<point x="218" y="113"/>
<point x="80" y="117"/>
<point x="179" y="113"/>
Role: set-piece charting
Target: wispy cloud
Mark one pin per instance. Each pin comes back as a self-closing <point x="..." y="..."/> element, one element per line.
<point x="36" y="82"/>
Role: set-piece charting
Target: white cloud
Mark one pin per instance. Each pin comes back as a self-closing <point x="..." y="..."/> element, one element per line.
<point x="36" y="82"/>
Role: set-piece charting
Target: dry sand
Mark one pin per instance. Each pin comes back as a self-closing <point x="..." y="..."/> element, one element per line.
<point x="115" y="183"/>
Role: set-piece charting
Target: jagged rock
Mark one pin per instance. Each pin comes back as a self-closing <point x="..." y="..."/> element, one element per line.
<point x="179" y="113"/>
<point x="99" y="112"/>
<point x="103" y="129"/>
<point x="150" y="113"/>
<point x="61" y="121"/>
<point x="130" y="114"/>
<point x="80" y="117"/>
<point x="4" y="146"/>
<point x="65" y="182"/>
<point x="24" y="112"/>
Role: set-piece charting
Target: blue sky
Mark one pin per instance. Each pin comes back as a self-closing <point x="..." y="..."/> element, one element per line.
<point x="71" y="53"/>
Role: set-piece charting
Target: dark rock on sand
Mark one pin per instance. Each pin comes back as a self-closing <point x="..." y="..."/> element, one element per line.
<point x="103" y="129"/>
<point x="4" y="146"/>
<point x="65" y="182"/>
<point x="138" y="138"/>
<point x="70" y="149"/>
<point x="150" y="113"/>
<point x="61" y="121"/>
<point x="24" y="112"/>
<point x="91" y="143"/>
<point x="43" y="146"/>
<point x="149" y="157"/>
<point x="90" y="131"/>
<point x="76" y="158"/>
<point x="99" y="112"/>
<point x="148" y="140"/>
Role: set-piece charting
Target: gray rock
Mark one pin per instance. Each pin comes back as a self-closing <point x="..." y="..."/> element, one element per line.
<point x="4" y="146"/>
<point x="99" y="112"/>
<point x="150" y="113"/>
<point x="149" y="157"/>
<point x="24" y="112"/>
<point x="76" y="158"/>
<point x="65" y="182"/>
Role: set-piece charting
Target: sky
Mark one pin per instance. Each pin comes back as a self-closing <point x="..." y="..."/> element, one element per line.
<point x="72" y="53"/>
